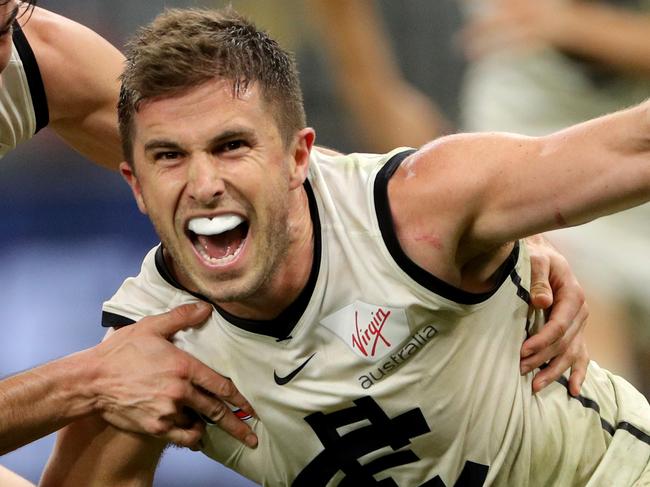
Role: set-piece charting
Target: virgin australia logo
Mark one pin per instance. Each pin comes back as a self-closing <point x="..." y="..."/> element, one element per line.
<point x="365" y="339"/>
<point x="371" y="331"/>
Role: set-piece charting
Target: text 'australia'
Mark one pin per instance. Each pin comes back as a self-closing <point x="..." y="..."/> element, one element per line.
<point x="394" y="360"/>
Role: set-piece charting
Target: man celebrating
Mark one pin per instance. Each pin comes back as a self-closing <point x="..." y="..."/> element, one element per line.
<point x="371" y="307"/>
<point x="136" y="379"/>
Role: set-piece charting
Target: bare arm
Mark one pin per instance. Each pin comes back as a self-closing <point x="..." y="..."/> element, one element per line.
<point x="136" y="379"/>
<point x="610" y="35"/>
<point x="490" y="189"/>
<point x="92" y="453"/>
<point x="42" y="400"/>
<point x="80" y="73"/>
<point x="564" y="179"/>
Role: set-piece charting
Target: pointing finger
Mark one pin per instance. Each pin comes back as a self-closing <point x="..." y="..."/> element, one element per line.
<point x="179" y="318"/>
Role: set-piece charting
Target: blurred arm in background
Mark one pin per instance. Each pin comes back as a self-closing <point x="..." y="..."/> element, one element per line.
<point x="389" y="111"/>
<point x="606" y="34"/>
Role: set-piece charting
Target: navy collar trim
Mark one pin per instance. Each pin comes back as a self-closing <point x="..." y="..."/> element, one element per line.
<point x="281" y="326"/>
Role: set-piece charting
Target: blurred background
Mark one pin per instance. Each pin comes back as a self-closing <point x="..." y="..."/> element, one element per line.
<point x="376" y="74"/>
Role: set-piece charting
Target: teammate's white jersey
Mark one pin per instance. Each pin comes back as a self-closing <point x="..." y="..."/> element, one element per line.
<point x="23" y="105"/>
<point x="381" y="374"/>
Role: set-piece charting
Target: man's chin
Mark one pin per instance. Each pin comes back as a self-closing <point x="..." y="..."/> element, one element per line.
<point x="227" y="291"/>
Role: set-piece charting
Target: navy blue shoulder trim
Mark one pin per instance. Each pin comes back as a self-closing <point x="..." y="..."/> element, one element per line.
<point x="606" y="425"/>
<point x="34" y="79"/>
<point x="111" y="320"/>
<point x="417" y="273"/>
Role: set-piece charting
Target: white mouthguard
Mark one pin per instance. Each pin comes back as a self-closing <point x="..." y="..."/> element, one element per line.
<point x="214" y="226"/>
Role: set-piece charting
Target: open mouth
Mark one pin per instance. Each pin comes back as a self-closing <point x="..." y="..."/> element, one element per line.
<point x="218" y="240"/>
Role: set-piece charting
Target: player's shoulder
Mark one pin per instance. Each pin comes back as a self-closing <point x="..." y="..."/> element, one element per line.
<point x="456" y="167"/>
<point x="147" y="293"/>
<point x="359" y="161"/>
<point x="78" y="66"/>
<point x="153" y="274"/>
<point x="52" y="32"/>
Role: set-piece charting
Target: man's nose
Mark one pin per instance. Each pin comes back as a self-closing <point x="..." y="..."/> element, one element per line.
<point x="205" y="184"/>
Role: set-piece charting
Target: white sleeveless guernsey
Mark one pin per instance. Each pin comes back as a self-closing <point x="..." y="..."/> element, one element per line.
<point x="23" y="106"/>
<point x="381" y="374"/>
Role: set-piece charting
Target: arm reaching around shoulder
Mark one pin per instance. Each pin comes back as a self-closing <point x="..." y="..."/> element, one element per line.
<point x="80" y="72"/>
<point x="560" y="343"/>
<point x="92" y="453"/>
<point x="136" y="379"/>
<point x="143" y="381"/>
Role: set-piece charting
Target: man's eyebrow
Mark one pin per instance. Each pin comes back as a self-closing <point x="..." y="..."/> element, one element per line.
<point x="220" y="138"/>
<point x="6" y="27"/>
<point x="160" y="144"/>
<point x="231" y="134"/>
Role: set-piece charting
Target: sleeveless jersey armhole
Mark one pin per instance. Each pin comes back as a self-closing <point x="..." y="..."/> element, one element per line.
<point x="34" y="78"/>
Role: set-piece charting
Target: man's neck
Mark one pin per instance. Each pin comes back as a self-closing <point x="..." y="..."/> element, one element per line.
<point x="289" y="280"/>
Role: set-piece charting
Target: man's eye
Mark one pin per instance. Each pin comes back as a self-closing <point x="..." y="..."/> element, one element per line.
<point x="233" y="145"/>
<point x="169" y="155"/>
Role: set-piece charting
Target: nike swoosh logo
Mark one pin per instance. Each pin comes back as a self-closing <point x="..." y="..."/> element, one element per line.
<point x="287" y="378"/>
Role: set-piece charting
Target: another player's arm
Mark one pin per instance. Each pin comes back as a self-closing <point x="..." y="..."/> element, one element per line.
<point x="39" y="401"/>
<point x="560" y="343"/>
<point x="92" y="453"/>
<point x="80" y="72"/>
<point x="146" y="395"/>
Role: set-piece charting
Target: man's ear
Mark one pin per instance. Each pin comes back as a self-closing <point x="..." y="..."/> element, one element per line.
<point x="302" y="145"/>
<point x="129" y="176"/>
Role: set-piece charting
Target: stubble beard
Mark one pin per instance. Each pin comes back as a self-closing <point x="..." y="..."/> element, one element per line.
<point x="268" y="255"/>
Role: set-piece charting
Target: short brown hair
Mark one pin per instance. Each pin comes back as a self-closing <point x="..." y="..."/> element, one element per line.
<point x="184" y="48"/>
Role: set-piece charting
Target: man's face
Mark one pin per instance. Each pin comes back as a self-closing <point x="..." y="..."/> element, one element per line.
<point x="213" y="174"/>
<point x="8" y="13"/>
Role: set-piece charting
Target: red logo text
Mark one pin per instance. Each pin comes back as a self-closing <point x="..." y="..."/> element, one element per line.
<point x="370" y="335"/>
